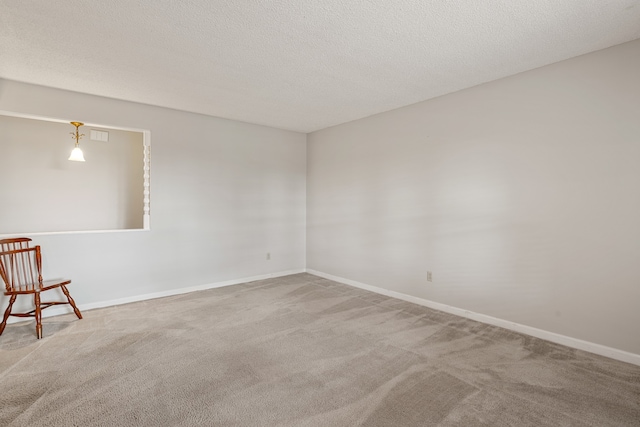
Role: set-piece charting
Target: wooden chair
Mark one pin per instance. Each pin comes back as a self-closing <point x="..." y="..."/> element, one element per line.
<point x="21" y="271"/>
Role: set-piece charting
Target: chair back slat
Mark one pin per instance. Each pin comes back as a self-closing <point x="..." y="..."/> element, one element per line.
<point x="14" y="243"/>
<point x="21" y="269"/>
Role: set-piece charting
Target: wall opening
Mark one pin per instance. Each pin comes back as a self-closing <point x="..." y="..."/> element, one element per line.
<point x="42" y="192"/>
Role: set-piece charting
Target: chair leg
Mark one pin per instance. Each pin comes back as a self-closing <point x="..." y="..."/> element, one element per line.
<point x="7" y="313"/>
<point x="38" y="314"/>
<point x="71" y="301"/>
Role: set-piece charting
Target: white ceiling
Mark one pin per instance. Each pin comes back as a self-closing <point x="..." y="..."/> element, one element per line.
<point x="296" y="64"/>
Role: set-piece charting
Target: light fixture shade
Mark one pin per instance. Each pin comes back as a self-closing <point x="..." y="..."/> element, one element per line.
<point x="76" y="155"/>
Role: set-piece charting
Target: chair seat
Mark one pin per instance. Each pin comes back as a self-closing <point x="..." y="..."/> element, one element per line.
<point x="33" y="288"/>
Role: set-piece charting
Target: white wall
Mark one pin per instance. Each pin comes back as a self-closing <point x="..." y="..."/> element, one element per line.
<point x="46" y="192"/>
<point x="521" y="195"/>
<point x="223" y="194"/>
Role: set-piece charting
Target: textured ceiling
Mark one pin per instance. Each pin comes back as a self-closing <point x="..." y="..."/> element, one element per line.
<point x="296" y="64"/>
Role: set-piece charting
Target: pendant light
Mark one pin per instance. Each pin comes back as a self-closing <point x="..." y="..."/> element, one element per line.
<point x="76" y="153"/>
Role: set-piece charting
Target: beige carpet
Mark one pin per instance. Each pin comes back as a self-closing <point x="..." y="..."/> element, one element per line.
<point x="300" y="351"/>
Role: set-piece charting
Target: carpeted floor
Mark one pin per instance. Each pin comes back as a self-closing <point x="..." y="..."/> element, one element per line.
<point x="300" y="351"/>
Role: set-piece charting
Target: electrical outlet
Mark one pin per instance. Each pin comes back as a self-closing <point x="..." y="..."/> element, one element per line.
<point x="268" y="256"/>
<point x="429" y="276"/>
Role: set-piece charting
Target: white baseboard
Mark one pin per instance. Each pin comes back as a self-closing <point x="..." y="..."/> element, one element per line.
<point x="601" y="350"/>
<point x="66" y="309"/>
